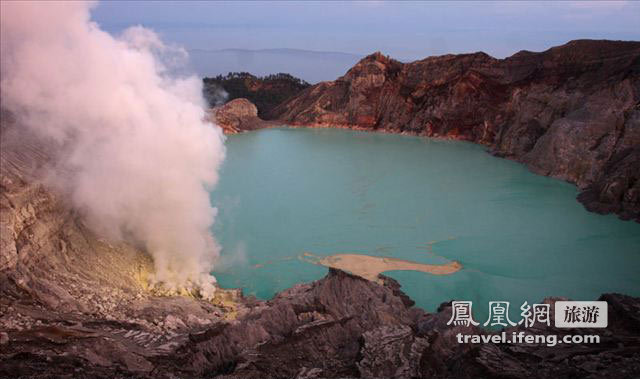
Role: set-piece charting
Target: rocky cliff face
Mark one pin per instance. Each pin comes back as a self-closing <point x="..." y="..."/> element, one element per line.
<point x="571" y="112"/>
<point x="237" y="116"/>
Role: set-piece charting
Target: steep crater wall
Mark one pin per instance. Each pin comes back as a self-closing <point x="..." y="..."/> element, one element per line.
<point x="571" y="112"/>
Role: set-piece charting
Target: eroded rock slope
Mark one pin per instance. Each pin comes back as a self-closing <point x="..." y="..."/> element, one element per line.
<point x="71" y="302"/>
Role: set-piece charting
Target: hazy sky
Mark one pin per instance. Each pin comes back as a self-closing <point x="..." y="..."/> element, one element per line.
<point x="406" y="30"/>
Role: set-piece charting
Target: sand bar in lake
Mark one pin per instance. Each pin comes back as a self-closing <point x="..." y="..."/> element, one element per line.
<point x="369" y="267"/>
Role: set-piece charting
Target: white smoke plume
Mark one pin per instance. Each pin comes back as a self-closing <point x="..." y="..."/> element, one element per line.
<point x="137" y="158"/>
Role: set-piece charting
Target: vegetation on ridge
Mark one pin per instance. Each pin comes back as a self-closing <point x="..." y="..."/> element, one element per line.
<point x="265" y="92"/>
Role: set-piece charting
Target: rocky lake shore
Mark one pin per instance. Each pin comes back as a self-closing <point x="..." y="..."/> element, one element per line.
<point x="571" y="112"/>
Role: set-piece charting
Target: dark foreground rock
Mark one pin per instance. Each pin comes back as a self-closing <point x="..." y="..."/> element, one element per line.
<point x="345" y="326"/>
<point x="571" y="112"/>
<point x="341" y="326"/>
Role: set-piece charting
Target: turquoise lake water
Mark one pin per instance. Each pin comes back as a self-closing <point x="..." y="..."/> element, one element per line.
<point x="519" y="236"/>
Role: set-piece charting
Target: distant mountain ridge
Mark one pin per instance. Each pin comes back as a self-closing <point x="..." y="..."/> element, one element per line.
<point x="282" y="51"/>
<point x="312" y="66"/>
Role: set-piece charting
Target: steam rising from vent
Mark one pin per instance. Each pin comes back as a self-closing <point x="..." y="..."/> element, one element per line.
<point x="134" y="154"/>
